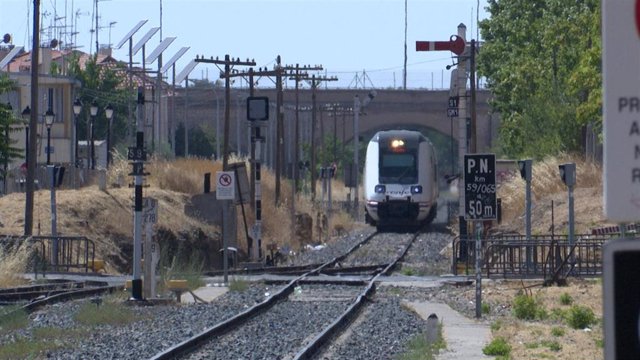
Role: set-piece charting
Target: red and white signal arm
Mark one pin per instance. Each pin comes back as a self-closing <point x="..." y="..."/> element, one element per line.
<point x="621" y="105"/>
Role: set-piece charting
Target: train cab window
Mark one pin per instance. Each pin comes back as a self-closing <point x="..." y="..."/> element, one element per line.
<point x="398" y="168"/>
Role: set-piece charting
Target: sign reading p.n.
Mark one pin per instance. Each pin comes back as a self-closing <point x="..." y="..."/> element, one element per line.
<point x="480" y="187"/>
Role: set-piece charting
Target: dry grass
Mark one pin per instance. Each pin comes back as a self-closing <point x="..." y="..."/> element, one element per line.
<point x="13" y="262"/>
<point x="106" y="216"/>
<point x="529" y="339"/>
<point x="546" y="187"/>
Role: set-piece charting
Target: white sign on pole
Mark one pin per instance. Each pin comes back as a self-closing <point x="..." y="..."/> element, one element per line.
<point x="621" y="104"/>
<point x="225" y="185"/>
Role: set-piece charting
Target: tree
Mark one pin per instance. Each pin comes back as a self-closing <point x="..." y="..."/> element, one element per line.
<point x="8" y="123"/>
<point x="541" y="59"/>
<point x="105" y="85"/>
<point x="201" y="141"/>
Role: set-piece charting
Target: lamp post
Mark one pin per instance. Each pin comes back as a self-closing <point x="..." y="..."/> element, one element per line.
<point x="108" y="111"/>
<point x="26" y="114"/>
<point x="6" y="159"/>
<point x="94" y="112"/>
<point x="48" y="120"/>
<point x="77" y="107"/>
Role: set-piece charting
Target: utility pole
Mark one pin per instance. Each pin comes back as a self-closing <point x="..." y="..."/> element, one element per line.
<point x="279" y="127"/>
<point x="297" y="77"/>
<point x="472" y="83"/>
<point x="315" y="81"/>
<point x="228" y="63"/>
<point x="33" y="123"/>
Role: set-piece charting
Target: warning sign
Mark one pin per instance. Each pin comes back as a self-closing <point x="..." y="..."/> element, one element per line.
<point x="225" y="185"/>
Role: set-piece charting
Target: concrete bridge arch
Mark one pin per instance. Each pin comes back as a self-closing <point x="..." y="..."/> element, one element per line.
<point x="423" y="110"/>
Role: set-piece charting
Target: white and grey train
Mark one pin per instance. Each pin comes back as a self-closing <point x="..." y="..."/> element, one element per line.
<point x="400" y="180"/>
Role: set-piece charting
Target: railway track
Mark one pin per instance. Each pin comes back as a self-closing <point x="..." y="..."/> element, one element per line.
<point x="337" y="303"/>
<point x="30" y="293"/>
<point x="382" y="325"/>
<point x="30" y="298"/>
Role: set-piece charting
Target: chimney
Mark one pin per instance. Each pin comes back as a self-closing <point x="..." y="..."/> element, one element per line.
<point x="45" y="60"/>
<point x="105" y="50"/>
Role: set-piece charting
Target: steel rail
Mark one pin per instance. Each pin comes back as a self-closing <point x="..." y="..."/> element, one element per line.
<point x="336" y="327"/>
<point x="232" y="323"/>
<point x="70" y="295"/>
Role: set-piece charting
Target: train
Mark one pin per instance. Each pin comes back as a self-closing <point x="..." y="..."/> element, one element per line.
<point x="400" y="180"/>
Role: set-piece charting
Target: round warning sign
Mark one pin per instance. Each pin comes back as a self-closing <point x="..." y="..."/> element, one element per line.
<point x="225" y="185"/>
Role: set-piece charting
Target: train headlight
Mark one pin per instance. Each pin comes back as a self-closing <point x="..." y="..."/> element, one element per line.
<point x="397" y="146"/>
<point x="417" y="189"/>
<point x="380" y="189"/>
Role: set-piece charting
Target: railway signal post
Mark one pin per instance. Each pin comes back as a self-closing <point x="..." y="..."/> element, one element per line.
<point x="138" y="155"/>
<point x="480" y="204"/>
<point x="457" y="45"/>
<point x="257" y="111"/>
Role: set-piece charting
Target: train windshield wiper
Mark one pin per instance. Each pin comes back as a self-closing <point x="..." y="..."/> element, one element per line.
<point x="406" y="174"/>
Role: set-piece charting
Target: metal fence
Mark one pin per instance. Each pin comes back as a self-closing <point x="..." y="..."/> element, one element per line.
<point x="551" y="257"/>
<point x="74" y="252"/>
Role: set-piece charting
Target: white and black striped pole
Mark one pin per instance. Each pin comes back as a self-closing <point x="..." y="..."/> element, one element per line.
<point x="137" y="155"/>
<point x="257" y="109"/>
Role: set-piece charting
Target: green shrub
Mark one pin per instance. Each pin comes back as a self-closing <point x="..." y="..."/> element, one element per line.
<point x="557" y="331"/>
<point x="496" y="325"/>
<point x="525" y="307"/>
<point x="486" y="308"/>
<point x="26" y="349"/>
<point x="238" y="285"/>
<point x="107" y="312"/>
<point x="13" y="318"/>
<point x="552" y="345"/>
<point x="420" y="349"/>
<point x="541" y="313"/>
<point x="580" y="317"/>
<point x="559" y="314"/>
<point x="497" y="347"/>
<point x="566" y="299"/>
<point x="408" y="271"/>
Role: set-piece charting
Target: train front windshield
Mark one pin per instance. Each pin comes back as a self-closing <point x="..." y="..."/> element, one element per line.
<point x="398" y="168"/>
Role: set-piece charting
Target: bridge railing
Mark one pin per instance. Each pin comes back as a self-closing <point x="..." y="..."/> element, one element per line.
<point x="547" y="256"/>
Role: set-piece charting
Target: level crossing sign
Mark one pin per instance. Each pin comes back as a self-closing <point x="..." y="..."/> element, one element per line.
<point x="480" y="187"/>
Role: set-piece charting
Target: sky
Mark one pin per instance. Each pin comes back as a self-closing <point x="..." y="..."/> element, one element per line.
<point x="359" y="41"/>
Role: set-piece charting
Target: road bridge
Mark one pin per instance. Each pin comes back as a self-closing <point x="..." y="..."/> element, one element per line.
<point x="422" y="110"/>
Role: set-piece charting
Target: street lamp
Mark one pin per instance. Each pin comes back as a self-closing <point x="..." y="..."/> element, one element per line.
<point x="6" y="159"/>
<point x="77" y="108"/>
<point x="26" y="114"/>
<point x="94" y="111"/>
<point x="108" y="111"/>
<point x="48" y="120"/>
